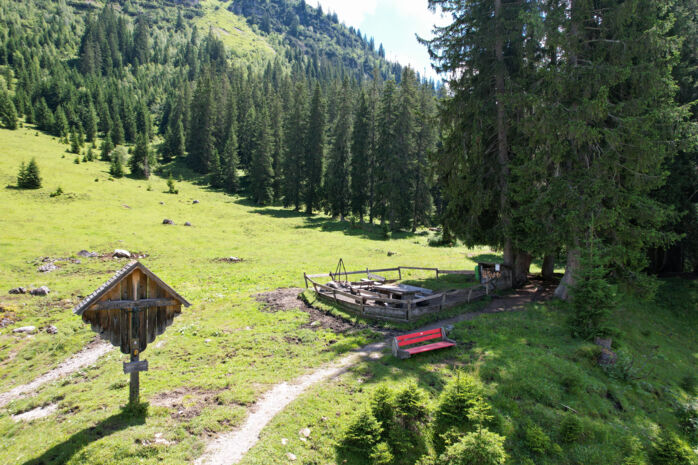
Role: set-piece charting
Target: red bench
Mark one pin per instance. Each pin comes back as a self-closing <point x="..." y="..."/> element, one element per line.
<point x="416" y="338"/>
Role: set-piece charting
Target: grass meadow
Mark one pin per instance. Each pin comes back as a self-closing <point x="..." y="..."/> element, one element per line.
<point x="222" y="353"/>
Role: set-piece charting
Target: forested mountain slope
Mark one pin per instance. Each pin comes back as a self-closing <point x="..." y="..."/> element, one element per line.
<point x="282" y="94"/>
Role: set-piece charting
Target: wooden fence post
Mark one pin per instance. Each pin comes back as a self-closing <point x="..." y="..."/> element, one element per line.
<point x="305" y="277"/>
<point x="399" y="273"/>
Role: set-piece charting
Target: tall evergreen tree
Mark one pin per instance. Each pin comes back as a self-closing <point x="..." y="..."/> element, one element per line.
<point x="386" y="150"/>
<point x="230" y="161"/>
<point x="295" y="148"/>
<point x="314" y="152"/>
<point x="360" y="157"/>
<point x="261" y="170"/>
<point x="8" y="114"/>
<point x="200" y="140"/>
<point x="337" y="175"/>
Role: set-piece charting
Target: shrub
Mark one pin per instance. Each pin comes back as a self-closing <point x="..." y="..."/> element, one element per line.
<point x="171" y="186"/>
<point x="57" y="192"/>
<point x="76" y="160"/>
<point x="410" y="407"/>
<point x="116" y="168"/>
<point x="535" y="439"/>
<point x="382" y="404"/>
<point x="688" y="419"/>
<point x="362" y="435"/>
<point x="481" y="448"/>
<point x="571" y="429"/>
<point x="689" y="383"/>
<point x="669" y="449"/>
<point x="461" y="407"/>
<point x="28" y="176"/>
<point x="381" y="455"/>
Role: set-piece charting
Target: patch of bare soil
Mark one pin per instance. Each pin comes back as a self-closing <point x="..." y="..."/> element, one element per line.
<point x="229" y="259"/>
<point x="536" y="290"/>
<point x="284" y="299"/>
<point x="186" y="403"/>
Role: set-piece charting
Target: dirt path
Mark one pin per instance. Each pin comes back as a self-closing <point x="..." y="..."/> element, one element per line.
<point x="87" y="356"/>
<point x="231" y="448"/>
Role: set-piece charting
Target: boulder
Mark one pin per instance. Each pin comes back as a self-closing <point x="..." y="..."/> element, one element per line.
<point x="390" y="254"/>
<point x="187" y="224"/>
<point x="162" y="203"/>
<point x="121" y="253"/>
<point x="25" y="329"/>
<point x="47" y="268"/>
<point x="6" y="322"/>
<point x="305" y="432"/>
<point x="43" y="290"/>
<point x="195" y="202"/>
<point x="51" y="329"/>
<point x="18" y="290"/>
<point x="166" y="221"/>
<point x="291" y="456"/>
<point x="85" y="253"/>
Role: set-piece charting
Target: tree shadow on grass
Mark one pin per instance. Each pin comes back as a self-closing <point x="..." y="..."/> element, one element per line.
<point x="365" y="231"/>
<point x="486" y="258"/>
<point x="62" y="453"/>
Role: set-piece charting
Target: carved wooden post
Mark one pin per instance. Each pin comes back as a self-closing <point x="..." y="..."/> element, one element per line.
<point x="134" y="388"/>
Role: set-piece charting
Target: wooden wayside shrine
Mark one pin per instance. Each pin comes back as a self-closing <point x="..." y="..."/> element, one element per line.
<point x="130" y="310"/>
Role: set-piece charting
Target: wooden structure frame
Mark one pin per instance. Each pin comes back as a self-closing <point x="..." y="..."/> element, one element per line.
<point x="130" y="310"/>
<point x="355" y="297"/>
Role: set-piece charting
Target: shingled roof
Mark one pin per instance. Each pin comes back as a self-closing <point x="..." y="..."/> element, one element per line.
<point x="116" y="279"/>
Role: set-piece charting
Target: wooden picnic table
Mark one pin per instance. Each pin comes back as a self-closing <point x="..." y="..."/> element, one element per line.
<point x="401" y="291"/>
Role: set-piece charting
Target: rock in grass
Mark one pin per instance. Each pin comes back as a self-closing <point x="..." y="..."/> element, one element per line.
<point x="18" y="290"/>
<point x="47" y="268"/>
<point x="25" y="329"/>
<point x="390" y="254"/>
<point x="291" y="456"/>
<point x="284" y="441"/>
<point x="85" y="253"/>
<point x="121" y="253"/>
<point x="6" y="322"/>
<point x="187" y="224"/>
<point x="51" y="329"/>
<point x="305" y="432"/>
<point x="166" y="221"/>
<point x="195" y="202"/>
<point x="43" y="290"/>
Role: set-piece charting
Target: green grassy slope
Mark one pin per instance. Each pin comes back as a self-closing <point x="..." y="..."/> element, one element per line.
<point x="219" y="355"/>
<point x="534" y="374"/>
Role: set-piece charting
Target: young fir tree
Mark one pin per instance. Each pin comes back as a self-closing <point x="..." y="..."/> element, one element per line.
<point x="142" y="159"/>
<point x="293" y="170"/>
<point x="314" y="152"/>
<point x="116" y="166"/>
<point x="8" y="114"/>
<point x="360" y="156"/>
<point x="106" y="148"/>
<point x="74" y="142"/>
<point x="261" y="171"/>
<point x="28" y="176"/>
<point x="336" y="185"/>
<point x="117" y="132"/>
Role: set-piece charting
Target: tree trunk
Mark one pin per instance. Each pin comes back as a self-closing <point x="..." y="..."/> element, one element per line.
<point x="521" y="268"/>
<point x="548" y="267"/>
<point x="571" y="268"/>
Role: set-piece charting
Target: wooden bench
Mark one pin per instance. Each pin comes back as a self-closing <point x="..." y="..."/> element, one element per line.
<point x="416" y="338"/>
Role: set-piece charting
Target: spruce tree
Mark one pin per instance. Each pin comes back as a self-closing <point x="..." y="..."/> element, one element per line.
<point x="314" y="152"/>
<point x="90" y="123"/>
<point x="106" y="148"/>
<point x="61" y="127"/>
<point x="142" y="159"/>
<point x="8" y="114"/>
<point x="424" y="143"/>
<point x="360" y="156"/>
<point x="337" y="176"/>
<point x="200" y="141"/>
<point x="386" y="150"/>
<point x="230" y="161"/>
<point x="261" y="170"/>
<point x="28" y="176"/>
<point x="294" y="158"/>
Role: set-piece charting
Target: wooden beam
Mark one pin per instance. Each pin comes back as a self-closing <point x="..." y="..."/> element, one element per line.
<point x="110" y="304"/>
